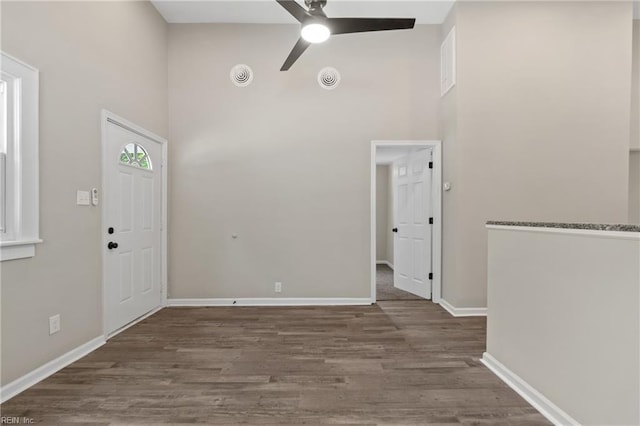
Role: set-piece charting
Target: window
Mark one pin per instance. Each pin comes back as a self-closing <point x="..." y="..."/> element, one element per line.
<point x="18" y="159"/>
<point x="448" y="62"/>
<point x="135" y="155"/>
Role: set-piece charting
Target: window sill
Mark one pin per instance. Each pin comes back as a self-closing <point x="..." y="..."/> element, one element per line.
<point x="11" y="250"/>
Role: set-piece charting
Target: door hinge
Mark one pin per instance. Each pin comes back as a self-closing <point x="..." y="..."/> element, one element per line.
<point x="430" y="221"/>
<point x="431" y="164"/>
<point x="430" y="276"/>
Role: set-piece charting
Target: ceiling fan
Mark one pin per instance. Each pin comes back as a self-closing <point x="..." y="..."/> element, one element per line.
<point x="316" y="27"/>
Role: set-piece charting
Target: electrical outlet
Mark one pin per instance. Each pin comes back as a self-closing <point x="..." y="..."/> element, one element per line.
<point x="278" y="288"/>
<point x="54" y="324"/>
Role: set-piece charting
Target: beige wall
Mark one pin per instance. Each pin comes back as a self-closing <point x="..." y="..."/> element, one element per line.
<point x="91" y="55"/>
<point x="382" y="210"/>
<point x="542" y="124"/>
<point x="563" y="316"/>
<point x="253" y="161"/>
<point x="448" y="134"/>
<point x="634" y="156"/>
<point x="634" y="187"/>
<point x="635" y="87"/>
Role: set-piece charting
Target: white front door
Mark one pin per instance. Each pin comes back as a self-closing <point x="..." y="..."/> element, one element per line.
<point x="412" y="231"/>
<point x="133" y="197"/>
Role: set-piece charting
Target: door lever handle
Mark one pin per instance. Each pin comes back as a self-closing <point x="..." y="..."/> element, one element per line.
<point x="395" y="229"/>
<point x="112" y="245"/>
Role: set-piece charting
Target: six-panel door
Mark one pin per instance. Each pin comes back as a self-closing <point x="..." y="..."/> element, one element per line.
<point x="412" y="209"/>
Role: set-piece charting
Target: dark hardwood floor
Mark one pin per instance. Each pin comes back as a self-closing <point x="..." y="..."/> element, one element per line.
<point x="401" y="362"/>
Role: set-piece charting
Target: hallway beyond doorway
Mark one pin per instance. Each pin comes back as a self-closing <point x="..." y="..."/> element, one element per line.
<point x="385" y="289"/>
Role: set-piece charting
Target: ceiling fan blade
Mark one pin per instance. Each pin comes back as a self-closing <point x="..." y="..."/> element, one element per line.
<point x="361" y="25"/>
<point x="297" y="11"/>
<point x="297" y="50"/>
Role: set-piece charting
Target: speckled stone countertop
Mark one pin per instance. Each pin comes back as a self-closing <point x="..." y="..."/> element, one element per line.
<point x="587" y="226"/>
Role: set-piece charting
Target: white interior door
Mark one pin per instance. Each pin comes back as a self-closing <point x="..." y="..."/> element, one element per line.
<point x="412" y="231"/>
<point x="133" y="210"/>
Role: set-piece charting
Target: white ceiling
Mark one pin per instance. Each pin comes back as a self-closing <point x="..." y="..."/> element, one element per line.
<point x="270" y="12"/>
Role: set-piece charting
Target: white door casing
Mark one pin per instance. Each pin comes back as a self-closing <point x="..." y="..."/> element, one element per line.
<point x="436" y="198"/>
<point x="133" y="217"/>
<point x="412" y="232"/>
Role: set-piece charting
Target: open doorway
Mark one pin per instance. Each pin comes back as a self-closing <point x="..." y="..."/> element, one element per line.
<point x="405" y="220"/>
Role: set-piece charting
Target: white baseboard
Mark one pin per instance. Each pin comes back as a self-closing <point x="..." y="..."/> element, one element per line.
<point x="270" y="301"/>
<point x="39" y="374"/>
<point x="463" y="312"/>
<point x="384" y="262"/>
<point x="547" y="408"/>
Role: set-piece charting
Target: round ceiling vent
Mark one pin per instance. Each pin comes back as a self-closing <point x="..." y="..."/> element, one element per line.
<point x="329" y="78"/>
<point x="241" y="75"/>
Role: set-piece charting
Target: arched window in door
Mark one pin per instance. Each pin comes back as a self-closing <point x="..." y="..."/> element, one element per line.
<point x="136" y="156"/>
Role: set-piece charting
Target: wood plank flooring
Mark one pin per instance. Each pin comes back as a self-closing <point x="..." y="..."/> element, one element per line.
<point x="401" y="362"/>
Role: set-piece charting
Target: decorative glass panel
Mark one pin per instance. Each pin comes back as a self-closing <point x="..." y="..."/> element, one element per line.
<point x="135" y="155"/>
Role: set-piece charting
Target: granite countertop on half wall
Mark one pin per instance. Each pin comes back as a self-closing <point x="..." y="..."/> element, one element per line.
<point x="586" y="226"/>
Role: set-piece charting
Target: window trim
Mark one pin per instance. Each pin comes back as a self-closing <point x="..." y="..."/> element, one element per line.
<point x="24" y="141"/>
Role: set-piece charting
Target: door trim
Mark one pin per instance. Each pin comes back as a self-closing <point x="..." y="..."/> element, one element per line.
<point x="106" y="118"/>
<point x="436" y="191"/>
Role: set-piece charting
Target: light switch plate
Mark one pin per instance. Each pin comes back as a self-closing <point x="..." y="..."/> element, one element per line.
<point x="83" y="198"/>
<point x="54" y="324"/>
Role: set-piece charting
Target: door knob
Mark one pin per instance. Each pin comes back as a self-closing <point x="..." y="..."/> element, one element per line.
<point x="112" y="245"/>
<point x="395" y="229"/>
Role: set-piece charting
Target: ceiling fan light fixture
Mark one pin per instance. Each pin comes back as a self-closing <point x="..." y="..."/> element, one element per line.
<point x="315" y="33"/>
<point x="316" y="27"/>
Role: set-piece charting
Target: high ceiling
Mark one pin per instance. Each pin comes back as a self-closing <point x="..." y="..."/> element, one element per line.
<point x="269" y="12"/>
